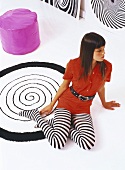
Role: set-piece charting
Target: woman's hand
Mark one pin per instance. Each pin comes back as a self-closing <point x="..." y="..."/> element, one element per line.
<point x="110" y="105"/>
<point x="46" y="110"/>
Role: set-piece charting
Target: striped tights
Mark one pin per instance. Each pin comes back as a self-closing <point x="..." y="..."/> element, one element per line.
<point x="78" y="127"/>
<point x="82" y="131"/>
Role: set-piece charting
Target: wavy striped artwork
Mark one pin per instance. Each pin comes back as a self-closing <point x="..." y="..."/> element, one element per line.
<point x="71" y="7"/>
<point x="110" y="12"/>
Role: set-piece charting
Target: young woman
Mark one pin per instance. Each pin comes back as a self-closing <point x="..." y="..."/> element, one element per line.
<point x="83" y="78"/>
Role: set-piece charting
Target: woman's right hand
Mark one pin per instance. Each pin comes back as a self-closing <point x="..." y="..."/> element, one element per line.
<point x="46" y="110"/>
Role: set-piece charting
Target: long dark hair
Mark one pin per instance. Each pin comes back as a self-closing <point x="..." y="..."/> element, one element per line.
<point x="89" y="43"/>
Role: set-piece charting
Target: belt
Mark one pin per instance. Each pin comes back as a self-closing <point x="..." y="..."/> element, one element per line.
<point x="79" y="96"/>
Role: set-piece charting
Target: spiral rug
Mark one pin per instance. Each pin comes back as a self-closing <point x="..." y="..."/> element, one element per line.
<point x="26" y="86"/>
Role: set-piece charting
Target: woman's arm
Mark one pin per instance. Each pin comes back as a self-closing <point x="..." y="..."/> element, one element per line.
<point x="60" y="91"/>
<point x="108" y="105"/>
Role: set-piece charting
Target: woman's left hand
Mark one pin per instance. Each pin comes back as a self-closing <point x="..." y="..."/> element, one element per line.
<point x="110" y="105"/>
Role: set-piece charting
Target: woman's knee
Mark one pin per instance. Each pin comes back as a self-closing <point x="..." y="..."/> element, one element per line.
<point x="86" y="144"/>
<point x="91" y="146"/>
<point x="57" y="143"/>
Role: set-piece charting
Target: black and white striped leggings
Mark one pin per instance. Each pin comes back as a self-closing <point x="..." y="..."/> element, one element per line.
<point x="78" y="127"/>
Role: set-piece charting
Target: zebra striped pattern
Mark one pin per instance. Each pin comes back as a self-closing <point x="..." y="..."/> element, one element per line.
<point x="58" y="134"/>
<point x="58" y="129"/>
<point x="50" y="122"/>
<point x="83" y="132"/>
<point x="29" y="113"/>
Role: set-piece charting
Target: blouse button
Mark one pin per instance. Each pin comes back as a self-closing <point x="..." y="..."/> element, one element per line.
<point x="93" y="73"/>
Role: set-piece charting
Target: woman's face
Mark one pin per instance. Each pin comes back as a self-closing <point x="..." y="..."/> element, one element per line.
<point x="99" y="53"/>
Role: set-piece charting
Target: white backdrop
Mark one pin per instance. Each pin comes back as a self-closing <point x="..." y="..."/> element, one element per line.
<point x="60" y="37"/>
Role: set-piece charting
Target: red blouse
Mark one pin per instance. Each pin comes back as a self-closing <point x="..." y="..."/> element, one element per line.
<point x="85" y="88"/>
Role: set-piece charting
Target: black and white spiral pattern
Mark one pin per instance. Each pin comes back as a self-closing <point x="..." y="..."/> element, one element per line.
<point x="26" y="86"/>
<point x="27" y="92"/>
<point x="69" y="6"/>
<point x="22" y="91"/>
<point x="110" y="12"/>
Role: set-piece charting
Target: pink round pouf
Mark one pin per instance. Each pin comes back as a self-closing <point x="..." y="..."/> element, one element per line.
<point x="19" y="32"/>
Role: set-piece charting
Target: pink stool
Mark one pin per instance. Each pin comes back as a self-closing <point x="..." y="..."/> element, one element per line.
<point x="19" y="31"/>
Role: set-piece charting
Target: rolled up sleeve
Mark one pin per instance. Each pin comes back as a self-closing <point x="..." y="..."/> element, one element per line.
<point x="68" y="71"/>
<point x="108" y="73"/>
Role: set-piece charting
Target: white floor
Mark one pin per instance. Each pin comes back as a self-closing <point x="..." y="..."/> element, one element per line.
<point x="60" y="40"/>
